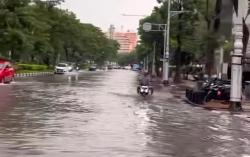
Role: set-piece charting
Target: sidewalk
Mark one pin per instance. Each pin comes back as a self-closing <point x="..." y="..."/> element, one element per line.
<point x="182" y="85"/>
<point x="179" y="91"/>
<point x="222" y="105"/>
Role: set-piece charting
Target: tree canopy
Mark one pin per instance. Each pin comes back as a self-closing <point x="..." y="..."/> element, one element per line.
<point x="193" y="36"/>
<point x="39" y="32"/>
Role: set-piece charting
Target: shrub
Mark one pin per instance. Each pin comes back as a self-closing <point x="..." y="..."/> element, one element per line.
<point x="34" y="67"/>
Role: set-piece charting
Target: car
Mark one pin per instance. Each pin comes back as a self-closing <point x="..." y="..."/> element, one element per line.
<point x="104" y="68"/>
<point x="127" y="67"/>
<point x="7" y="72"/>
<point x="110" y="67"/>
<point x="135" y="67"/>
<point x="63" y="68"/>
<point x="92" y="68"/>
<point x="71" y="66"/>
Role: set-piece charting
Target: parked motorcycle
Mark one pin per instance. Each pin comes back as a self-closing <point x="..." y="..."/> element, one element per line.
<point x="218" y="92"/>
<point x="209" y="89"/>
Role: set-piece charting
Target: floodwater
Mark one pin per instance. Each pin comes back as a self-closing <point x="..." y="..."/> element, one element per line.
<point x="99" y="114"/>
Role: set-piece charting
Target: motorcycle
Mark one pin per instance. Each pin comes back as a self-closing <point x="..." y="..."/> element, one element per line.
<point x="217" y="90"/>
<point x="208" y="90"/>
<point x="145" y="90"/>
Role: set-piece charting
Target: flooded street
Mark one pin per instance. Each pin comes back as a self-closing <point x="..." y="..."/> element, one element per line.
<point x="100" y="114"/>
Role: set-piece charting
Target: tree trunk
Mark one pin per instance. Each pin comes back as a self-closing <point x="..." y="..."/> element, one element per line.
<point x="66" y="53"/>
<point x="32" y="58"/>
<point x="46" y="61"/>
<point x="209" y="50"/>
<point x="177" y="78"/>
<point x="208" y="20"/>
<point x="209" y="60"/>
<point x="12" y="54"/>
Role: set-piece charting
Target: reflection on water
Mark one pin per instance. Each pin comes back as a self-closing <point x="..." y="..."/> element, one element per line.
<point x="99" y="114"/>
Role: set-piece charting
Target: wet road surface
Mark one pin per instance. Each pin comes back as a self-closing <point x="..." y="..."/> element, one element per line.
<point x="100" y="114"/>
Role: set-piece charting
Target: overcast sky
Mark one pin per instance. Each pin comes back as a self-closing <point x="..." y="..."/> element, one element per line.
<point x="102" y="13"/>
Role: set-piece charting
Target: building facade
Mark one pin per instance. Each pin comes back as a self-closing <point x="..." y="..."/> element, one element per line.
<point x="127" y="40"/>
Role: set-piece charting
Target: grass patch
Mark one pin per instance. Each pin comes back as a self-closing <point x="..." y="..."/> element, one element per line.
<point x="32" y="71"/>
<point x="31" y="68"/>
<point x="35" y="67"/>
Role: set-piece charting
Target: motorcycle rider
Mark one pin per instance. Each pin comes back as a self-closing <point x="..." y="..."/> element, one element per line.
<point x="145" y="81"/>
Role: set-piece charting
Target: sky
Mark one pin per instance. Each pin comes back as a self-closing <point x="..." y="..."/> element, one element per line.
<point x="103" y="13"/>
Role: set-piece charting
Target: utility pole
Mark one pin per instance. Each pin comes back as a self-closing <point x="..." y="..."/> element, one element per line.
<point x="165" y="28"/>
<point x="166" y="47"/>
<point x="147" y="63"/>
<point x="144" y="64"/>
<point x="153" y="61"/>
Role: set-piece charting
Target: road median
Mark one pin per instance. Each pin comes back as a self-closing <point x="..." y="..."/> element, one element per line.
<point x="33" y="74"/>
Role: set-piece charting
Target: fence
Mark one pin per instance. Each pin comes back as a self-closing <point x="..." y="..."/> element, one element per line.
<point x="33" y="74"/>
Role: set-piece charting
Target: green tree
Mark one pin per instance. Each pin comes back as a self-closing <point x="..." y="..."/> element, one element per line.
<point x="41" y="33"/>
<point x="14" y="27"/>
<point x="182" y="33"/>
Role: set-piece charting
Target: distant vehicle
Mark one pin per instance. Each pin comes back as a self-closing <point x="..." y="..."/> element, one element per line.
<point x="71" y="66"/>
<point x="104" y="68"/>
<point x="92" y="68"/>
<point x="63" y="68"/>
<point x="136" y="67"/>
<point x="7" y="72"/>
<point x="117" y="67"/>
<point x="77" y="68"/>
<point x="127" y="67"/>
<point x="110" y="67"/>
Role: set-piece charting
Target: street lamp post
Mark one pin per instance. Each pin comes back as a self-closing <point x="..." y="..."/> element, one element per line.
<point x="153" y="61"/>
<point x="166" y="29"/>
<point x="166" y="47"/>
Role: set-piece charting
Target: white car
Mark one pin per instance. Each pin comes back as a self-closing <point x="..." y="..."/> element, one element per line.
<point x="128" y="67"/>
<point x="62" y="68"/>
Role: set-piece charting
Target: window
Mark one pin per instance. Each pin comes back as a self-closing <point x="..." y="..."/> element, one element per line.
<point x="62" y="65"/>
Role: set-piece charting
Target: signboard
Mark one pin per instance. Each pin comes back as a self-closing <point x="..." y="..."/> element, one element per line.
<point x="164" y="59"/>
<point x="147" y="26"/>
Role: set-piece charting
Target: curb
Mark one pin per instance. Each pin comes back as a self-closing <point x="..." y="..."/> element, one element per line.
<point x="33" y="74"/>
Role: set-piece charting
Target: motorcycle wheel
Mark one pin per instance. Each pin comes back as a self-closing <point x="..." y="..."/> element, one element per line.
<point x="151" y="91"/>
<point x="138" y="90"/>
<point x="208" y="98"/>
<point x="144" y="94"/>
